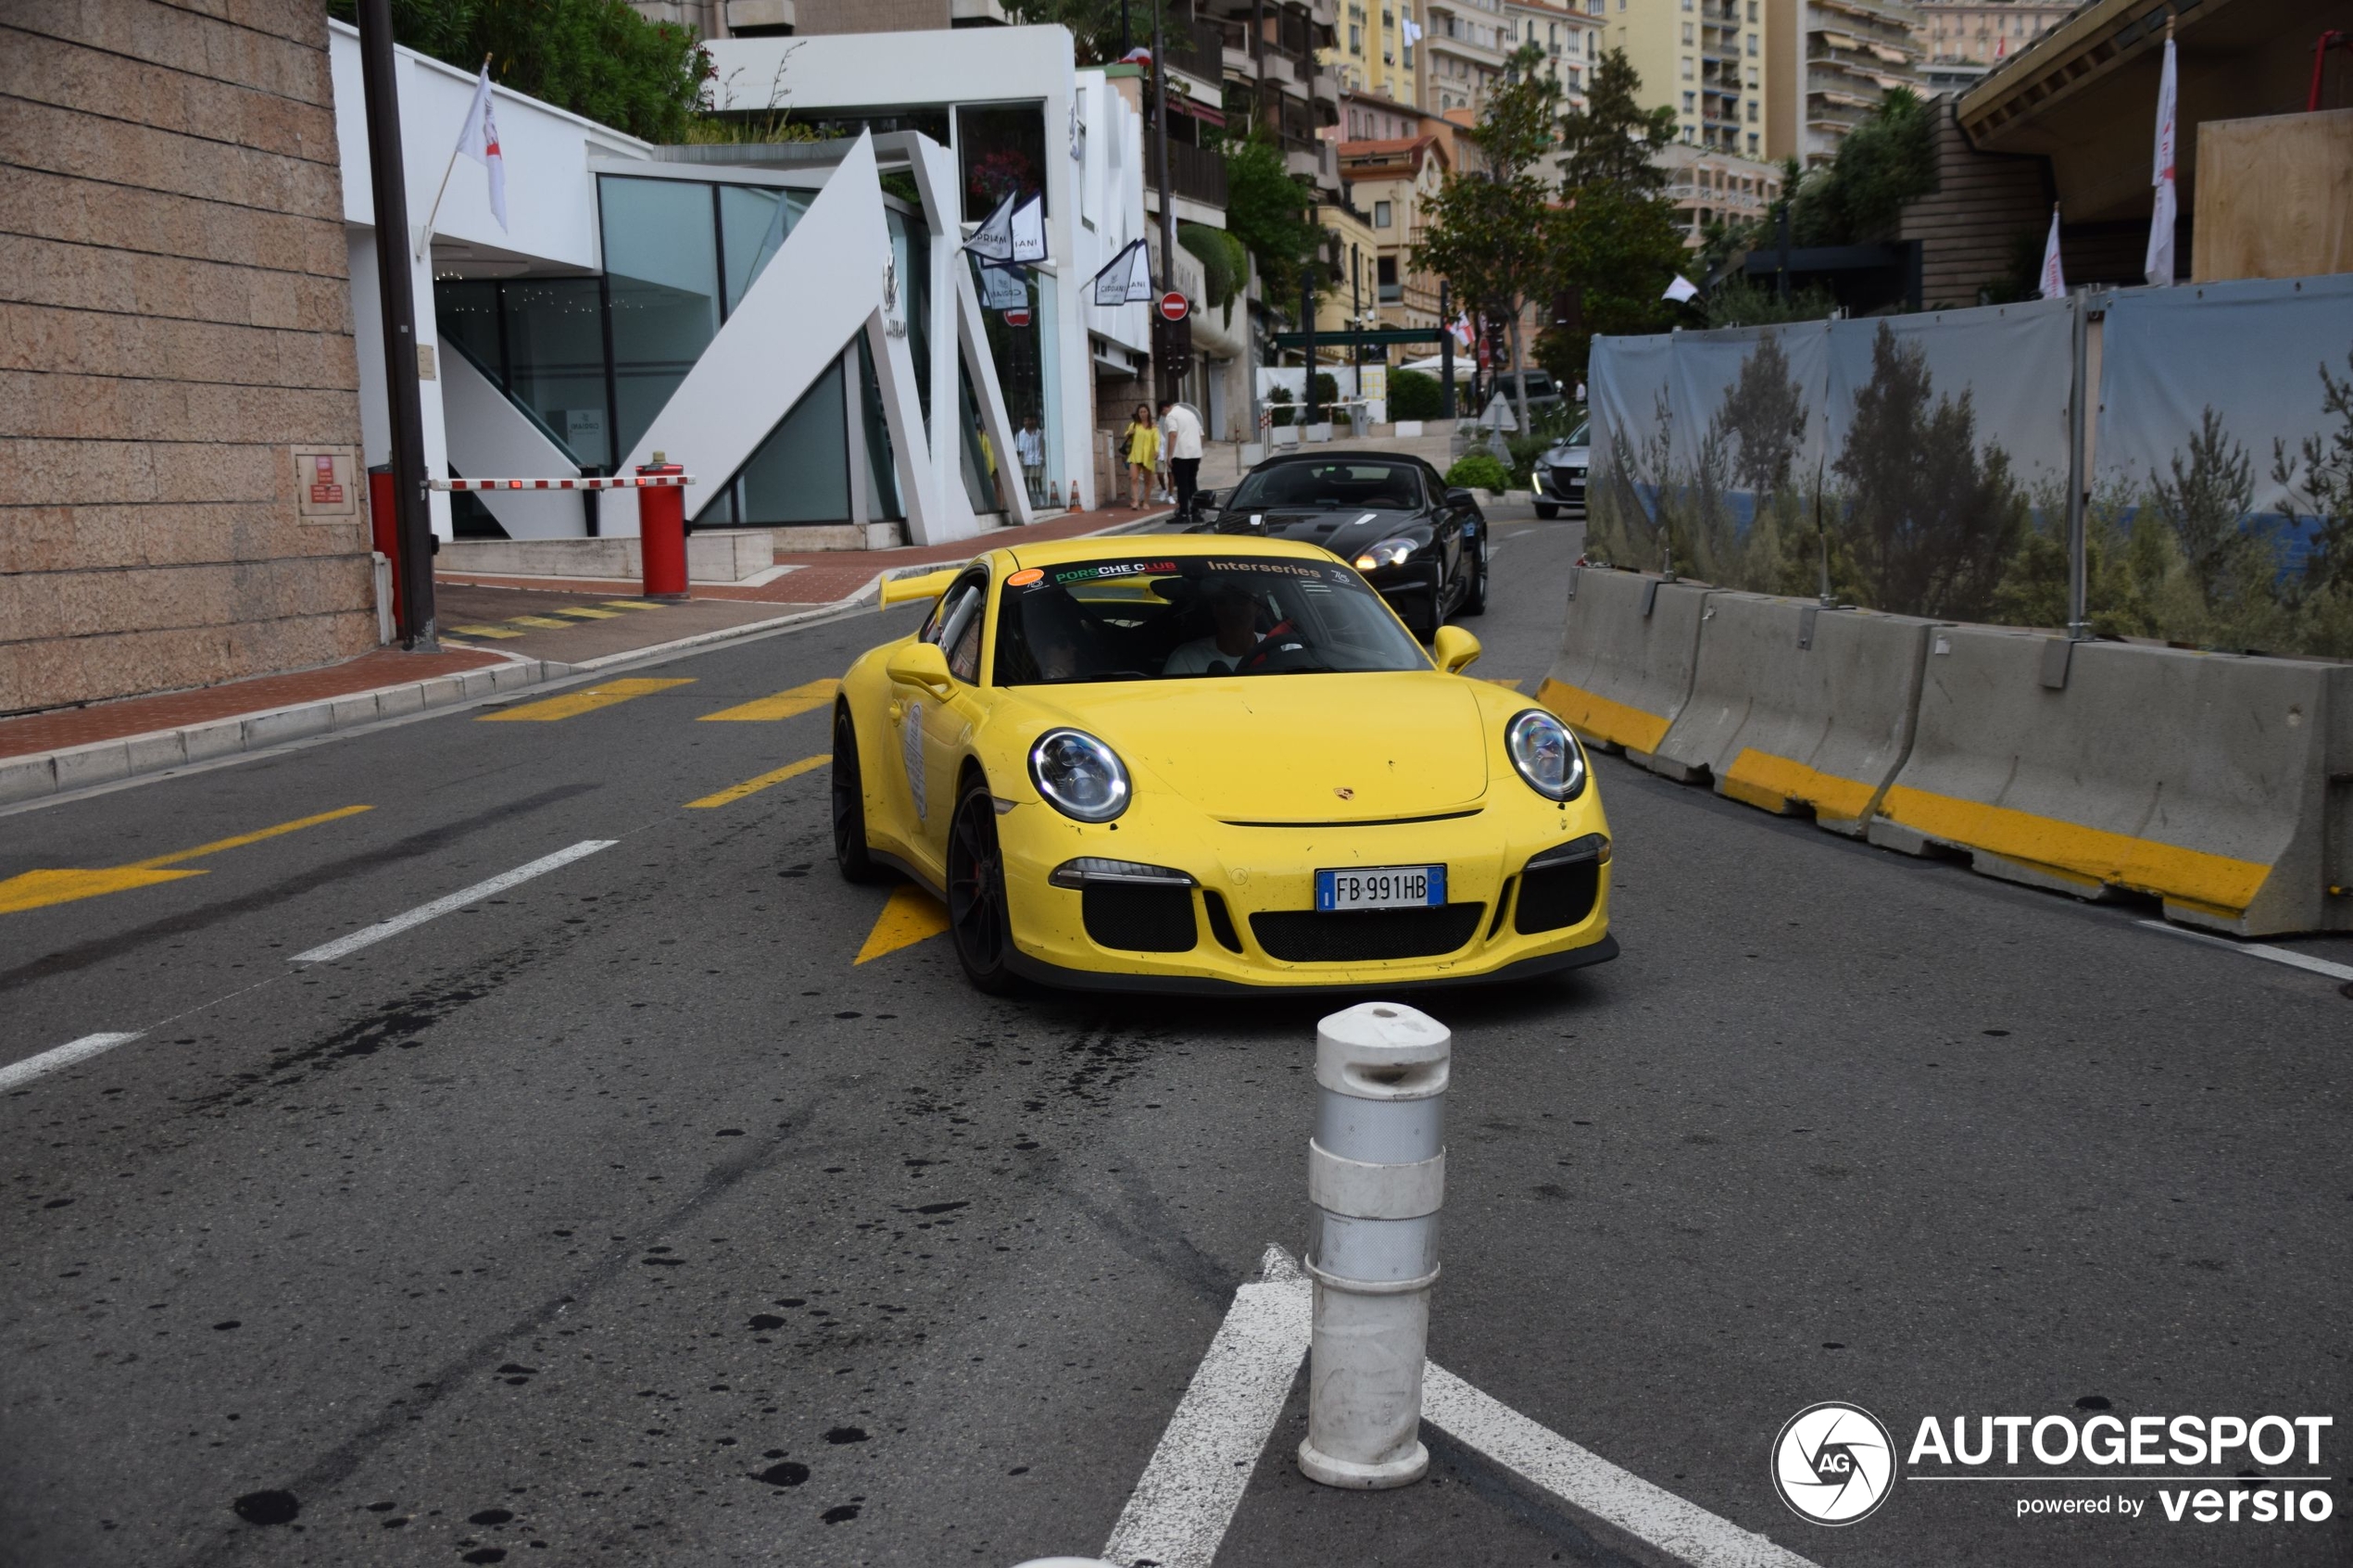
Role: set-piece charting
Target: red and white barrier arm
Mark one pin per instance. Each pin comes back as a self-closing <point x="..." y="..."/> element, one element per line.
<point x="624" y="481"/>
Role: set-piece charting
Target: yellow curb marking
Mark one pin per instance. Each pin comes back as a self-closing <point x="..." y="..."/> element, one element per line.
<point x="582" y="612"/>
<point x="483" y="632"/>
<point x="2217" y="881"/>
<point x="733" y="792"/>
<point x="1589" y="714"/>
<point x="912" y="916"/>
<point x="783" y="705"/>
<point x="587" y="701"/>
<point x="630" y="604"/>
<point x="547" y="621"/>
<point x="38" y="889"/>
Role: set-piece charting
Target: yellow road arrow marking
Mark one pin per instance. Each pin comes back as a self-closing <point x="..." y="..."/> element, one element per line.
<point x="38" y="889"/>
<point x="587" y="700"/>
<point x="733" y="792"/>
<point x="912" y="916"/>
<point x="783" y="705"/>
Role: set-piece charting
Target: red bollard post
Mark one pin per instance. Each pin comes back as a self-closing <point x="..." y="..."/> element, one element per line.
<point x="384" y="528"/>
<point x="661" y="532"/>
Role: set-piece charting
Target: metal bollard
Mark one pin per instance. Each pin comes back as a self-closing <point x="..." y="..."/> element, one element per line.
<point x="1377" y="1174"/>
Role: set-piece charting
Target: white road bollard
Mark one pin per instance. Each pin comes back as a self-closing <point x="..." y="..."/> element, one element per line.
<point x="1377" y="1174"/>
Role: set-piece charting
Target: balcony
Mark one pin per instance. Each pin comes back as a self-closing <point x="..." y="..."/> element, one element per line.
<point x="1197" y="48"/>
<point x="1194" y="173"/>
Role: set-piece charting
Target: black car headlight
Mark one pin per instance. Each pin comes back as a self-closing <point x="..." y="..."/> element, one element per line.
<point x="1388" y="552"/>
<point x="1079" y="775"/>
<point x="1546" y="755"/>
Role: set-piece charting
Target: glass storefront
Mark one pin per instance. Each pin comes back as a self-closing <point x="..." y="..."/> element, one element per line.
<point x="661" y="266"/>
<point x="1001" y="148"/>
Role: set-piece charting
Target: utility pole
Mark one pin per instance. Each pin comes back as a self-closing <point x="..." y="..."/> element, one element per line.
<point x="1307" y="325"/>
<point x="1446" y="348"/>
<point x="396" y="295"/>
<point x="1162" y="382"/>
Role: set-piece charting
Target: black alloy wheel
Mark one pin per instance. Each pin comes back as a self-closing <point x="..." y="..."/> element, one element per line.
<point x="977" y="917"/>
<point x="1475" y="593"/>
<point x="849" y="804"/>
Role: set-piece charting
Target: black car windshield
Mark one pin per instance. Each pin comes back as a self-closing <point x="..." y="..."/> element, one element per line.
<point x="1334" y="483"/>
<point x="1143" y="619"/>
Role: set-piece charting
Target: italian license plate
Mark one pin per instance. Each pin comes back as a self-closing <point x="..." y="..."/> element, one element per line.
<point x="1380" y="887"/>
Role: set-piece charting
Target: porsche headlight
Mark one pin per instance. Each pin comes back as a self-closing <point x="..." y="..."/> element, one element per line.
<point x="1388" y="552"/>
<point x="1079" y="775"/>
<point x="1546" y="755"/>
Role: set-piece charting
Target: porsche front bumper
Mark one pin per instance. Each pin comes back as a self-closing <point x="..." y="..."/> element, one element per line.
<point x="1528" y="891"/>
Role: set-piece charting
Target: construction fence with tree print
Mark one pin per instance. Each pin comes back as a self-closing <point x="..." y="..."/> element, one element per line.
<point x="1918" y="463"/>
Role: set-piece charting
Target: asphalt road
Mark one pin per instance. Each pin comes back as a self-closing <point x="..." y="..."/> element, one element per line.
<point x="620" y="1216"/>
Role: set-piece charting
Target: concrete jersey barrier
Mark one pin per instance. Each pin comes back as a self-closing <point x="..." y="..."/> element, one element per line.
<point x="1793" y="706"/>
<point x="2221" y="783"/>
<point x="1628" y="648"/>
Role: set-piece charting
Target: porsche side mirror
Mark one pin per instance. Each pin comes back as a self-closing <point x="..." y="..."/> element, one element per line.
<point x="1453" y="649"/>
<point x="922" y="664"/>
<point x="1461" y="499"/>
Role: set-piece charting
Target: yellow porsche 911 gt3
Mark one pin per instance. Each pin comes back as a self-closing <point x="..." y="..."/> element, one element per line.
<point x="1201" y="763"/>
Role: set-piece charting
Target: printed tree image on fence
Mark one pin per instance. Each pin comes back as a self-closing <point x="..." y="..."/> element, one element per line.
<point x="1905" y="502"/>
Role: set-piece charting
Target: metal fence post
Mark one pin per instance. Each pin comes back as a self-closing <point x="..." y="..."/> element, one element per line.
<point x="2078" y="626"/>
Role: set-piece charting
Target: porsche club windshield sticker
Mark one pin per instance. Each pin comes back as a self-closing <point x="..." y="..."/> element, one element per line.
<point x="1113" y="569"/>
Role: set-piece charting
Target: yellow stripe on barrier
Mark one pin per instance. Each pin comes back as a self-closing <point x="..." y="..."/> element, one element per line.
<point x="2070" y="849"/>
<point x="1770" y="782"/>
<point x="1601" y="718"/>
<point x="733" y="792"/>
<point x="573" y="703"/>
<point x="783" y="705"/>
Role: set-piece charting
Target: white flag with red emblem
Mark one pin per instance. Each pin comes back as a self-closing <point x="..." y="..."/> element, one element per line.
<point x="2054" y="279"/>
<point x="2160" y="255"/>
<point x="479" y="141"/>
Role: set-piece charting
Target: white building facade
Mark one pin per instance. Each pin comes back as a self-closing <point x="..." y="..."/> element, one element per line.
<point x="795" y="322"/>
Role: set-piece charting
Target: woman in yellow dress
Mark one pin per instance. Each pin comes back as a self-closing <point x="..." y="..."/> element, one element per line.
<point x="1141" y="442"/>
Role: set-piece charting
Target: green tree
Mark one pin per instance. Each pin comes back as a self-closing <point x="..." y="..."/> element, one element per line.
<point x="1764" y="418"/>
<point x="1094" y="25"/>
<point x="1270" y="213"/>
<point x="1617" y="251"/>
<point x="2206" y="503"/>
<point x="597" y="58"/>
<point x="1614" y="141"/>
<point x="1493" y="235"/>
<point x="1224" y="263"/>
<point x="1883" y="163"/>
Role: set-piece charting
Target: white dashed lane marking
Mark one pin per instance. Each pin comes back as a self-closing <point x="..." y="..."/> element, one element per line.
<point x="2259" y="950"/>
<point x="343" y="946"/>
<point x="32" y="1067"/>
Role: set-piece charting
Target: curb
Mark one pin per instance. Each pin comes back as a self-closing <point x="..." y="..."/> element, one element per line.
<point x="78" y="767"/>
<point x="40" y="774"/>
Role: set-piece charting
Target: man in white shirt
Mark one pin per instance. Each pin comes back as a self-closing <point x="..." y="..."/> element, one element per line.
<point x="1029" y="446"/>
<point x="1180" y="439"/>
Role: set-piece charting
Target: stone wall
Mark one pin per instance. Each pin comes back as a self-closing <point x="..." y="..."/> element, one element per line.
<point x="175" y="325"/>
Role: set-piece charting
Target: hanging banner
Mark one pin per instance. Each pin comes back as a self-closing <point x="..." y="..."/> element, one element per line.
<point x="1004" y="288"/>
<point x="1126" y="281"/>
<point x="993" y="241"/>
<point x="1030" y="230"/>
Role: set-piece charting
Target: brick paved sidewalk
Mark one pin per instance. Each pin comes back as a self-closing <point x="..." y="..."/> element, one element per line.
<point x="823" y="577"/>
<point x="170" y="710"/>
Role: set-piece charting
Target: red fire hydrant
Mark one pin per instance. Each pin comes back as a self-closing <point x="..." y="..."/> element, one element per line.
<point x="662" y="531"/>
<point x="385" y="528"/>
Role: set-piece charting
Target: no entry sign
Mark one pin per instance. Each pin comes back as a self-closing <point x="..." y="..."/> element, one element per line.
<point x="1017" y="317"/>
<point x="1174" y="306"/>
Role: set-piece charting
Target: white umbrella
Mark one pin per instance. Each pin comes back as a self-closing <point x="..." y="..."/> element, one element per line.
<point x="1436" y="365"/>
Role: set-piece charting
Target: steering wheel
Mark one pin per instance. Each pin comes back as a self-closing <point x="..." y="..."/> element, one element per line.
<point x="1261" y="659"/>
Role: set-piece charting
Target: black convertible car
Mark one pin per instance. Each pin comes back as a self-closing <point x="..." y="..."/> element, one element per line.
<point x="1423" y="546"/>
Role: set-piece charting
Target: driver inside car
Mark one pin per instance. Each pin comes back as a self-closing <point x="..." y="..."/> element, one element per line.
<point x="1234" y="611"/>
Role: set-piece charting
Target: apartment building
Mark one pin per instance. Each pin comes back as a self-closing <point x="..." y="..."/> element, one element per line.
<point x="1840" y="57"/>
<point x="1707" y="60"/>
<point x="1374" y="49"/>
<point x="1981" y="31"/>
<point x="1565" y="32"/>
<point x="1707" y="187"/>
<point x="1391" y="183"/>
<point x="1461" y="58"/>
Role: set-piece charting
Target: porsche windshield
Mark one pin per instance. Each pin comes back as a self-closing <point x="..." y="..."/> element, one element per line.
<point x="1144" y="619"/>
<point x="1331" y="485"/>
